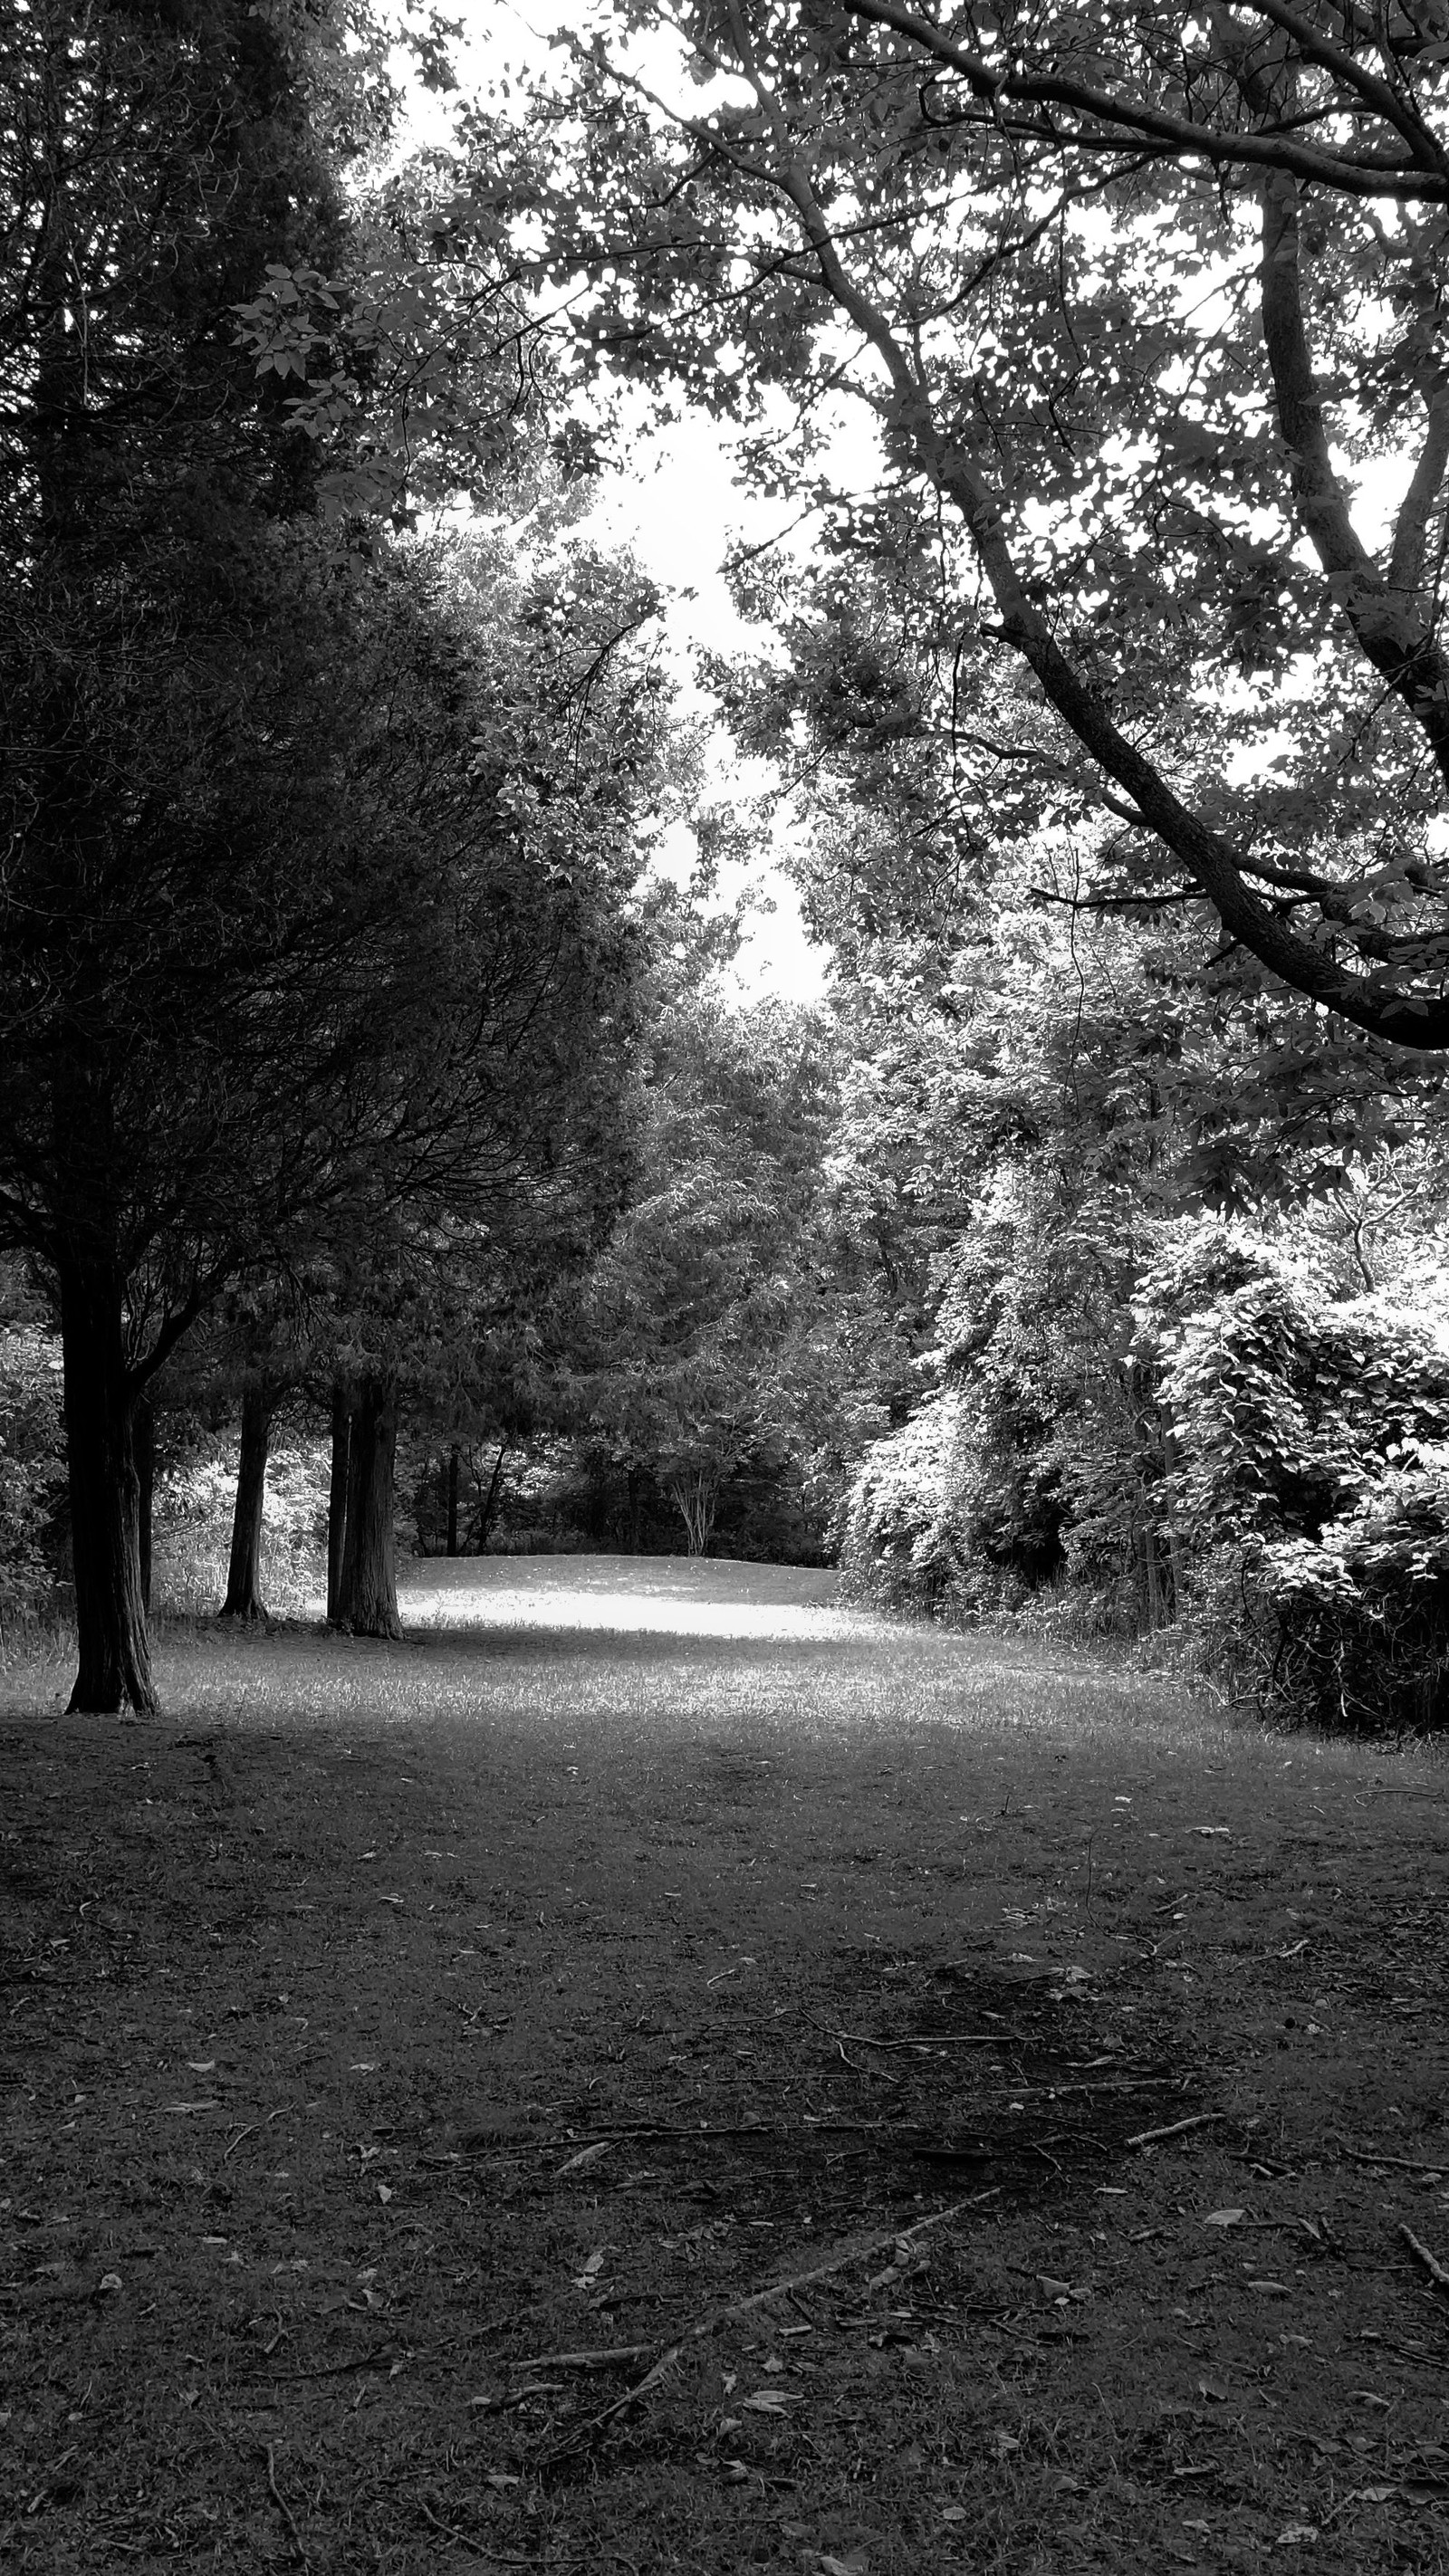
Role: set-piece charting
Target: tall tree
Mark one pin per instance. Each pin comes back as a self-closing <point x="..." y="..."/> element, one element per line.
<point x="1137" y="303"/>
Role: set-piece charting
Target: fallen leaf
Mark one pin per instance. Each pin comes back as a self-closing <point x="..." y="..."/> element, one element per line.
<point x="192" y="2106"/>
<point x="1276" y="2289"/>
<point x="383" y="2192"/>
<point x="1224" y="2217"/>
<point x="110" y="2281"/>
<point x="201" y="2065"/>
<point x="586" y="2279"/>
<point x="1370" y="2495"/>
<point x="1295" y="2532"/>
<point x="770" y="2401"/>
<point x="1005" y="2441"/>
<point x="954" y="2513"/>
<point x="1211" y="1832"/>
<point x="1054" y="2289"/>
<point x="842" y="2566"/>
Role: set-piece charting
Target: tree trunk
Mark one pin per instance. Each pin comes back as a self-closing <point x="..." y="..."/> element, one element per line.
<point x="244" y="1575"/>
<point x="105" y="1492"/>
<point x="145" y="1445"/>
<point x="368" y="1604"/>
<point x="343" y="1401"/>
<point x="453" y="1500"/>
<point x="488" y="1508"/>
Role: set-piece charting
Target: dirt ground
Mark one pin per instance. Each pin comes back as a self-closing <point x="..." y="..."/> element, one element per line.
<point x="657" y="2074"/>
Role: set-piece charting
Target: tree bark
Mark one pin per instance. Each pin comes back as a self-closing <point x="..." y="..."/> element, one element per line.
<point x="105" y="1492"/>
<point x="244" y="1574"/>
<point x="368" y="1602"/>
<point x="453" y="1500"/>
<point x="145" y="1446"/>
<point x="488" y="1507"/>
<point x="343" y="1401"/>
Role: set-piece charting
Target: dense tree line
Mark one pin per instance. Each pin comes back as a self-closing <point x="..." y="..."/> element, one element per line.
<point x="1081" y="1261"/>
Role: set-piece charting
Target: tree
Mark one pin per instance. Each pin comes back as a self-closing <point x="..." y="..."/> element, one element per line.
<point x="1135" y="302"/>
<point x="692" y="1309"/>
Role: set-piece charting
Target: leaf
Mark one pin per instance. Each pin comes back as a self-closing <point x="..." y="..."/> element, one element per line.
<point x="770" y="2401"/>
<point x="1224" y="2217"/>
<point x="586" y="2279"/>
<point x="1296" y="2532"/>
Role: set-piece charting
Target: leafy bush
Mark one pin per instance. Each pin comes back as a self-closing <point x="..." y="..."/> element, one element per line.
<point x="1359" y="1619"/>
<point x="32" y="1473"/>
<point x="905" y="1541"/>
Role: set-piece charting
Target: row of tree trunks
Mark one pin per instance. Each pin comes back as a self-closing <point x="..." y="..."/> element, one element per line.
<point x="244" y="1572"/>
<point x="360" y="1541"/>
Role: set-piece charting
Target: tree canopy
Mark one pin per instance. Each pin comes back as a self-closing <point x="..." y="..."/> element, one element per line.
<point x="1149" y="313"/>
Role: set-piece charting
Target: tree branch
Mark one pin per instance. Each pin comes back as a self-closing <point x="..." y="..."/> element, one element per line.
<point x="1390" y="633"/>
<point x="1406" y="561"/>
<point x="1177" y="135"/>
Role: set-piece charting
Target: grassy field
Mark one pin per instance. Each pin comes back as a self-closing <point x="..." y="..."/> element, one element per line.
<point x="656" y="2072"/>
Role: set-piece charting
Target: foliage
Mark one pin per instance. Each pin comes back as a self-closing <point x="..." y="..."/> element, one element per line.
<point x="1135" y="304"/>
<point x="694" y="1318"/>
<point x="32" y="1470"/>
<point x="1362" y="1614"/>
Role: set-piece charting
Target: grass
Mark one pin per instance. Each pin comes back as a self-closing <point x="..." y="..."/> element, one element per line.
<point x="639" y="1937"/>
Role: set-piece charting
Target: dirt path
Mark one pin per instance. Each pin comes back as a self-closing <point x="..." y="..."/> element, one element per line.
<point x="389" y="2022"/>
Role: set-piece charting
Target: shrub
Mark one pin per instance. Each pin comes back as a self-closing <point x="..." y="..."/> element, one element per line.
<point x="32" y="1474"/>
<point x="1360" y="1618"/>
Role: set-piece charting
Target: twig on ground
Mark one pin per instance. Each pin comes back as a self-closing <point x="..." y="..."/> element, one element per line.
<point x="857" y="2249"/>
<point x="598" y="2357"/>
<point x="249" y="2131"/>
<point x="1404" y="2164"/>
<point x="1175" y="2128"/>
<point x="450" y="2531"/>
<point x="928" y="2040"/>
<point x="284" y="2509"/>
<point x="332" y="2369"/>
<point x="481" y="2549"/>
<point x="1431" y="2262"/>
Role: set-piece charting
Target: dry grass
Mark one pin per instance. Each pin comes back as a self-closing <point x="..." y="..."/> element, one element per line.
<point x="632" y="1939"/>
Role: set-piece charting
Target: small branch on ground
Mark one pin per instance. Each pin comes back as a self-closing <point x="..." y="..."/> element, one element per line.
<point x="284" y="2509"/>
<point x="1403" y="2164"/>
<point x="857" y="2250"/>
<point x="1175" y="2129"/>
<point x="1431" y="2262"/>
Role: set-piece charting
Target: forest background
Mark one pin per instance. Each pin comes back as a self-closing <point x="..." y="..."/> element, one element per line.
<point x="372" y="1099"/>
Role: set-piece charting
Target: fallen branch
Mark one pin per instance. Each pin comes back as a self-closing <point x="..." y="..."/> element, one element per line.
<point x="1431" y="2263"/>
<point x="1149" y="2137"/>
<point x="331" y="2369"/>
<point x="929" y="2040"/>
<point x="284" y="2509"/>
<point x="1404" y="2164"/>
<point x="599" y="2357"/>
<point x="858" y="2249"/>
